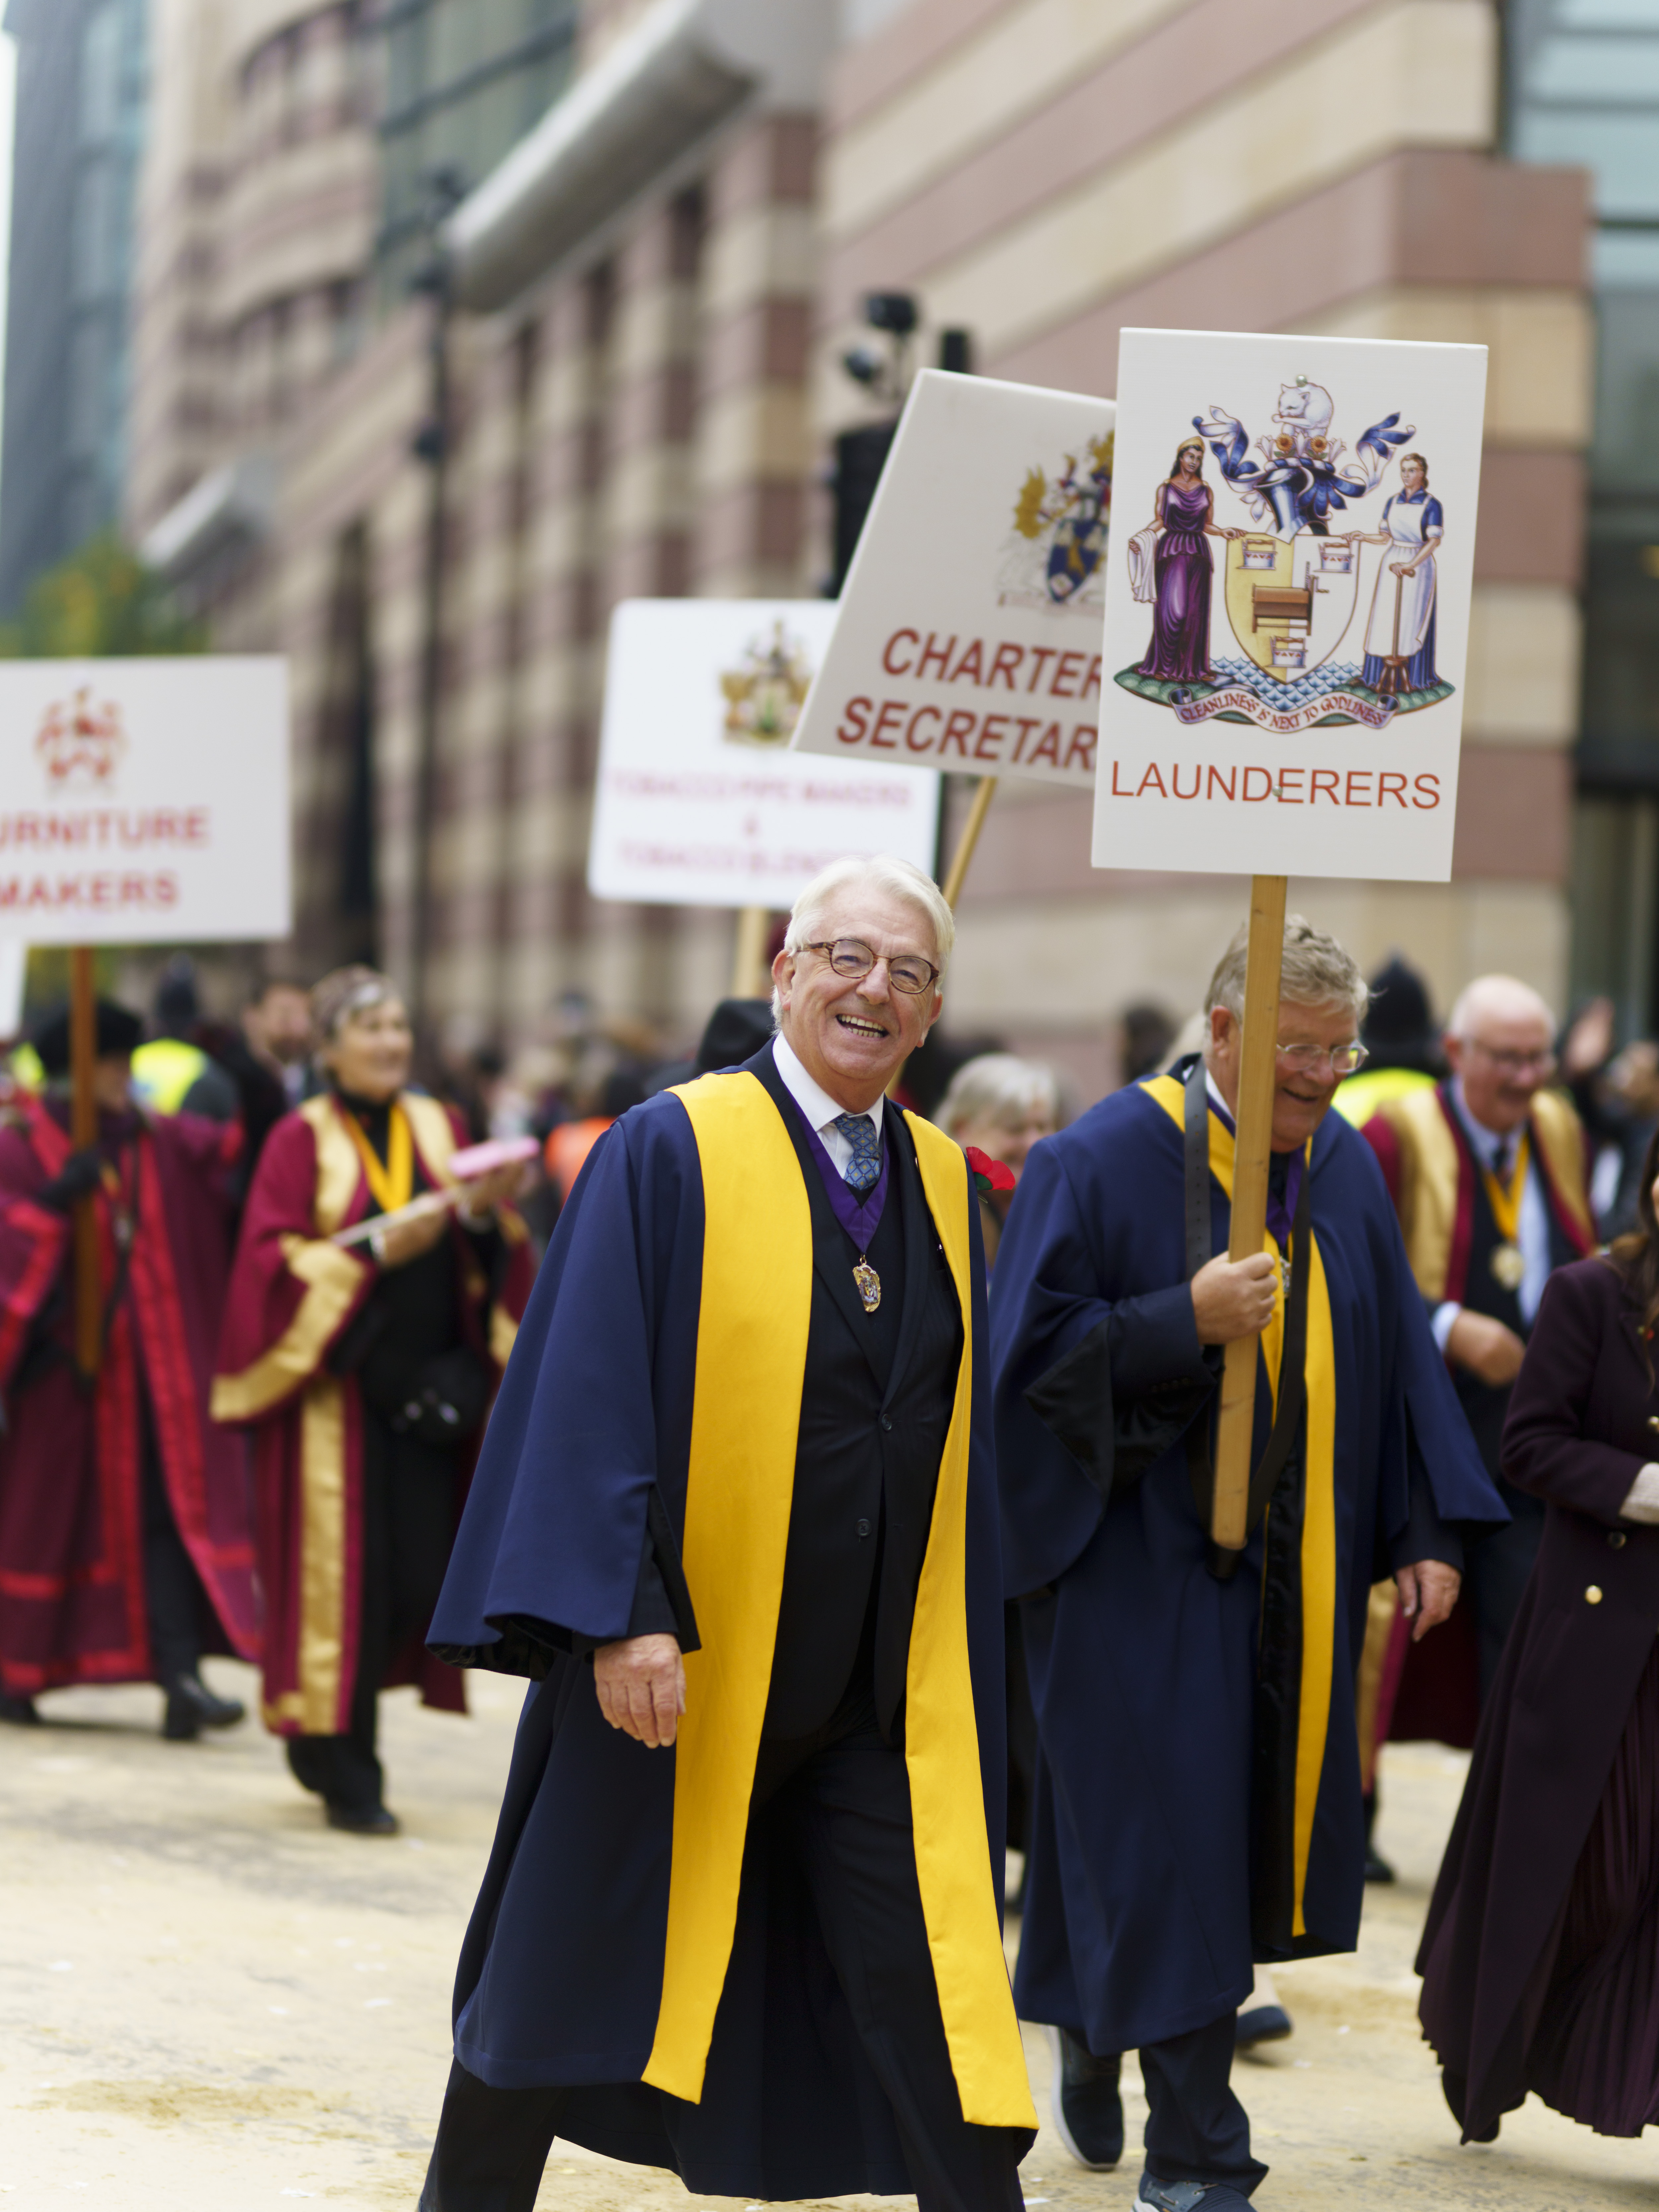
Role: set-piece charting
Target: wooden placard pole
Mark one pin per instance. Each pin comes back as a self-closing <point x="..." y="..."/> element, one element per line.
<point x="749" y="977"/>
<point x="956" y="874"/>
<point x="1258" y="1061"/>
<point x="83" y="1132"/>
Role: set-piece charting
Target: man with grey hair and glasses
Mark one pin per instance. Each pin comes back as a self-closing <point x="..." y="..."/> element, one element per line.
<point x="1487" y="1173"/>
<point x="1198" y="1801"/>
<point x="736" y="1513"/>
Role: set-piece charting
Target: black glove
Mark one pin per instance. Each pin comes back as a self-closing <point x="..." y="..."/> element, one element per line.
<point x="79" y="1176"/>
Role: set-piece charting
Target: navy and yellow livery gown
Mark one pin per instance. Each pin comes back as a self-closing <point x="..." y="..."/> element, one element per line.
<point x="652" y="1410"/>
<point x="1198" y="1803"/>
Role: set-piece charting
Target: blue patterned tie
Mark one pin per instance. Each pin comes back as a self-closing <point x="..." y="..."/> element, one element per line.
<point x="864" y="1168"/>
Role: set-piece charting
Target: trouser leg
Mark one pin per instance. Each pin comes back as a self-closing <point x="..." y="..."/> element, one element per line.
<point x="1499" y="1568"/>
<point x="850" y="1808"/>
<point x="491" y="2147"/>
<point x="420" y="1532"/>
<point x="1197" y="2129"/>
<point x="173" y="1597"/>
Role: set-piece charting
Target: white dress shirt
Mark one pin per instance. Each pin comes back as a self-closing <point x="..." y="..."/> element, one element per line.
<point x="820" y="1108"/>
<point x="1533" y="1231"/>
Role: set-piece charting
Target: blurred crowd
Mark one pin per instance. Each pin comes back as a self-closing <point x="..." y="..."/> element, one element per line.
<point x="244" y="1210"/>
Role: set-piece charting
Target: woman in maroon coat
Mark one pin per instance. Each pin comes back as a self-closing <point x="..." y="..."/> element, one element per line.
<point x="1541" y="1958"/>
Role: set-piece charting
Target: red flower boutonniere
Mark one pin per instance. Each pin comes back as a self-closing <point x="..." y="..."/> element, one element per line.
<point x="988" y="1175"/>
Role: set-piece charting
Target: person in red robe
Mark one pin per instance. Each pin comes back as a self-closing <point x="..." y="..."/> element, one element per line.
<point x="365" y="1372"/>
<point x="125" y="1518"/>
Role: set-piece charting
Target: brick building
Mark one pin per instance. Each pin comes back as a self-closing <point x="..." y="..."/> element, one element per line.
<point x="652" y="292"/>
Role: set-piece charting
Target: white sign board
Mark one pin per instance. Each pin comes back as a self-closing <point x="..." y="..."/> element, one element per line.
<point x="145" y="802"/>
<point x="970" y="621"/>
<point x="1287" y="605"/>
<point x="14" y="977"/>
<point x="699" y="801"/>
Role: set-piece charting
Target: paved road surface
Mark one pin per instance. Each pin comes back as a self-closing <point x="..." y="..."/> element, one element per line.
<point x="210" y="2003"/>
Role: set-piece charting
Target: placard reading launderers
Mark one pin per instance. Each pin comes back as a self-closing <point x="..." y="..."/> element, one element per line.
<point x="1287" y="605"/>
<point x="699" y="801"/>
<point x="145" y="801"/>
<point x="969" y="627"/>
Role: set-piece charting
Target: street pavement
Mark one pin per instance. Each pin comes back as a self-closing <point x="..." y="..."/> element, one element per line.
<point x="209" y="2003"/>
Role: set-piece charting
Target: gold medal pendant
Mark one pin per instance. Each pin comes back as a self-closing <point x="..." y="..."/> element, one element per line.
<point x="869" y="1283"/>
<point x="1509" y="1265"/>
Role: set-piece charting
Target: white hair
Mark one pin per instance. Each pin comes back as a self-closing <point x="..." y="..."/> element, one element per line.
<point x="1505" y="995"/>
<point x="876" y="872"/>
<point x="1315" y="971"/>
<point x="999" y="1088"/>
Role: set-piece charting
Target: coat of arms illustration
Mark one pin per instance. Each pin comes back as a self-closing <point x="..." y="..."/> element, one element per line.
<point x="765" y="694"/>
<point x="79" y="742"/>
<point x="1315" y="629"/>
<point x="1054" y="558"/>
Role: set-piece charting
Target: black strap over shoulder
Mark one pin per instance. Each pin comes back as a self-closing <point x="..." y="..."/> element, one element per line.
<point x="1293" y="1375"/>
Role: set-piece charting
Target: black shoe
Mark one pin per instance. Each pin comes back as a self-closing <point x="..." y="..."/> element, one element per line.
<point x="191" y="1707"/>
<point x="1377" y="1867"/>
<point x="362" y="1820"/>
<point x="19" y="1712"/>
<point x="1262" y="2023"/>
<point x="1456" y="2090"/>
<point x="1088" y="2111"/>
<point x="1155" y="2196"/>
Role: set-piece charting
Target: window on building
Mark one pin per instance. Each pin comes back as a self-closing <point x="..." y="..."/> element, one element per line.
<point x="1582" y="88"/>
<point x="459" y="83"/>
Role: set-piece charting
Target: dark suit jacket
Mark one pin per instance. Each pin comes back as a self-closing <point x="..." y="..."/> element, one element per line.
<point x="875" y="1408"/>
<point x="1581" y="1424"/>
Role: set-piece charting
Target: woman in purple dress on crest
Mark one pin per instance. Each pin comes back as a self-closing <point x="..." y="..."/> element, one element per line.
<point x="1181" y="568"/>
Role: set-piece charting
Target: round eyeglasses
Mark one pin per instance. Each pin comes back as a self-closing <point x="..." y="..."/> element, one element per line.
<point x="1314" y="1059"/>
<point x="852" y="959"/>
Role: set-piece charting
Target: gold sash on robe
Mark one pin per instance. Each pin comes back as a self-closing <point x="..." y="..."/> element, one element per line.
<point x="753" y="1317"/>
<point x="1318" y="1558"/>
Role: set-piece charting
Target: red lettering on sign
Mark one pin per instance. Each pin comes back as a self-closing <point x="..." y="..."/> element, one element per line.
<point x="891" y="711"/>
<point x="938" y="654"/>
<point x="988" y="747"/>
<point x="1048" y="745"/>
<point x="1198" y="780"/>
<point x="1005" y="665"/>
<point x="920" y="744"/>
<point x="1360" y="775"/>
<point x="1285" y="796"/>
<point x="1066" y="673"/>
<point x="1040" y="655"/>
<point x="1433" y="799"/>
<point x="959" y="728"/>
<point x="1152" y="776"/>
<point x="857" y="712"/>
<point x="1321" y="777"/>
<point x="1383" y="780"/>
<point x="1082" y="747"/>
<point x="887" y="661"/>
<point x="971" y="664"/>
<point x="1091" y="681"/>
<point x="1117" y="793"/>
<point x="1024" y="724"/>
<point x="1229" y="783"/>
<point x="1255" y="797"/>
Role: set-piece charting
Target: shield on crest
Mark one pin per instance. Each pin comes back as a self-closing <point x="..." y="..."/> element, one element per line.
<point x="1291" y="600"/>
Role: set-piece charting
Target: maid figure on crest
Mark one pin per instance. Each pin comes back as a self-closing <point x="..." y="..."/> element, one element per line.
<point x="1182" y="566"/>
<point x="1413" y="526"/>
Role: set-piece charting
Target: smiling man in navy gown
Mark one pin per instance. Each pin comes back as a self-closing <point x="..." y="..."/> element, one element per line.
<point x="735" y="1511"/>
<point x="1198" y="1802"/>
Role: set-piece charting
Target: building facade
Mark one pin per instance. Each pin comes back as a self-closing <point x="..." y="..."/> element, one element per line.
<point x="643" y="311"/>
<point x="82" y="87"/>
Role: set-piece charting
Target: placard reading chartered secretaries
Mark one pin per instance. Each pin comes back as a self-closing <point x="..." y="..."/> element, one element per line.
<point x="1287" y="605"/>
<point x="699" y="801"/>
<point x="969" y="625"/>
<point x="145" y="802"/>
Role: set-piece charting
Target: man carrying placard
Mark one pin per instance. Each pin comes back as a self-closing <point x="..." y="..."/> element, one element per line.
<point x="1198" y="1803"/>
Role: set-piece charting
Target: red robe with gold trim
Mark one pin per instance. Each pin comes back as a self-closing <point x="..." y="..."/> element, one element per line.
<point x="72" y="1600"/>
<point x="293" y="1294"/>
